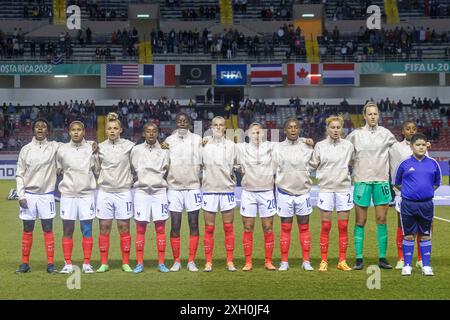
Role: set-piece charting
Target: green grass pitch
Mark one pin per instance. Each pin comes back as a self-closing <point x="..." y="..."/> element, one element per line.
<point x="219" y="284"/>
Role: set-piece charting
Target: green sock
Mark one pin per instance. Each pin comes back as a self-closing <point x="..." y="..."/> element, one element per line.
<point x="382" y="240"/>
<point x="359" y="241"/>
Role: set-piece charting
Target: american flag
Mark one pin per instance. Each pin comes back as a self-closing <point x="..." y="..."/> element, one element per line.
<point x="122" y="75"/>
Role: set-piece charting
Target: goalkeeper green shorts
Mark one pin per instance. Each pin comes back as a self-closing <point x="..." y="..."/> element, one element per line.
<point x="364" y="192"/>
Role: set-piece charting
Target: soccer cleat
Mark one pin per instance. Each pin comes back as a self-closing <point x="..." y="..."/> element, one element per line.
<point x="306" y="265"/>
<point x="230" y="266"/>
<point x="359" y="265"/>
<point x="68" y="269"/>
<point x="406" y="271"/>
<point x="427" y="271"/>
<point x="269" y="266"/>
<point x="419" y="264"/>
<point x="126" y="268"/>
<point x="176" y="266"/>
<point x="139" y="268"/>
<point x="192" y="267"/>
<point x="284" y="266"/>
<point x="384" y="264"/>
<point x="51" y="268"/>
<point x="344" y="266"/>
<point x="208" y="267"/>
<point x="87" y="268"/>
<point x="400" y="264"/>
<point x="323" y="266"/>
<point x="162" y="268"/>
<point x="247" y="267"/>
<point x="23" y="268"/>
<point x="103" y="268"/>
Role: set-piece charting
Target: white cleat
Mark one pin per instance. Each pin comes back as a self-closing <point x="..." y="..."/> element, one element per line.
<point x="68" y="268"/>
<point x="406" y="271"/>
<point x="284" y="266"/>
<point x="192" y="267"/>
<point x="176" y="267"/>
<point x="306" y="265"/>
<point x="427" y="271"/>
<point x="87" y="268"/>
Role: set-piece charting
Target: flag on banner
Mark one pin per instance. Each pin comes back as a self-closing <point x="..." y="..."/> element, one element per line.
<point x="303" y="74"/>
<point x="122" y="75"/>
<point x="336" y="74"/>
<point x="266" y="74"/>
<point x="159" y="75"/>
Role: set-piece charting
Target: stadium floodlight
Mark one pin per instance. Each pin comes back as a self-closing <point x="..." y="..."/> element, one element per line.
<point x="143" y="16"/>
<point x="60" y="76"/>
<point x="145" y="76"/>
<point x="318" y="75"/>
<point x="308" y="15"/>
<point x="399" y="74"/>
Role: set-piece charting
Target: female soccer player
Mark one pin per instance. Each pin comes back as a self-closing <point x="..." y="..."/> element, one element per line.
<point x="184" y="187"/>
<point x="332" y="158"/>
<point x="219" y="157"/>
<point x="36" y="179"/>
<point x="371" y="180"/>
<point x="291" y="161"/>
<point x="114" y="199"/>
<point x="255" y="160"/>
<point x="399" y="152"/>
<point x="76" y="161"/>
<point x="150" y="163"/>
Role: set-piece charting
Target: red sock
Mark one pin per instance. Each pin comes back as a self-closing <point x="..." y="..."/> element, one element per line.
<point x="268" y="245"/>
<point x="161" y="240"/>
<point x="305" y="240"/>
<point x="208" y="243"/>
<point x="27" y="242"/>
<point x="285" y="240"/>
<point x="67" y="244"/>
<point x="229" y="240"/>
<point x="343" y="239"/>
<point x="175" y="243"/>
<point x="139" y="242"/>
<point x="247" y="241"/>
<point x="49" y="242"/>
<point x="325" y="239"/>
<point x="193" y="245"/>
<point x="103" y="243"/>
<point x="400" y="243"/>
<point x="419" y="255"/>
<point x="87" y="243"/>
<point x="125" y="244"/>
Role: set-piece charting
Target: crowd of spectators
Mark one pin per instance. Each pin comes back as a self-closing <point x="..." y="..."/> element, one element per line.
<point x="129" y="39"/>
<point x="60" y="115"/>
<point x="396" y="42"/>
<point x="202" y="13"/>
<point x="134" y="113"/>
<point x="37" y="9"/>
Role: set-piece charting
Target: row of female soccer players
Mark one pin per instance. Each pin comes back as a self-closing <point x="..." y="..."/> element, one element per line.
<point x="166" y="179"/>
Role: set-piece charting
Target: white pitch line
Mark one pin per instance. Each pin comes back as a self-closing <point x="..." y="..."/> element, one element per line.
<point x="442" y="219"/>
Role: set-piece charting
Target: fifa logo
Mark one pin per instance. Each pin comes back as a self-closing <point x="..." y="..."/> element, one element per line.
<point x="374" y="281"/>
<point x="74" y="20"/>
<point x="74" y="281"/>
<point x="230" y="75"/>
<point x="374" y="21"/>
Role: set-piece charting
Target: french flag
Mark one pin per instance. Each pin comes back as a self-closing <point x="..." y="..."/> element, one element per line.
<point x="159" y="75"/>
<point x="338" y="74"/>
<point x="266" y="74"/>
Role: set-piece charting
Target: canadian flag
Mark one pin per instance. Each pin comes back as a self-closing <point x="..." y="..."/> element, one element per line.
<point x="303" y="74"/>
